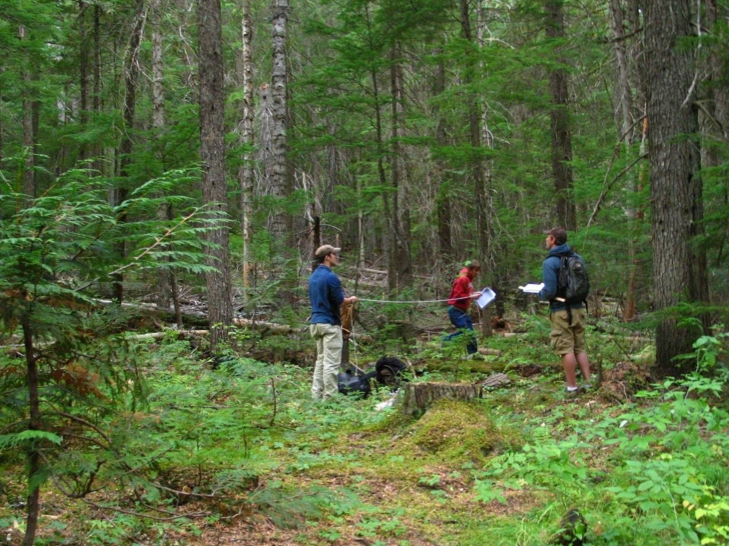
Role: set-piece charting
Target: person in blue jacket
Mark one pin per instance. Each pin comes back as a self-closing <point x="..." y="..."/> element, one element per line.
<point x="567" y="336"/>
<point x="327" y="296"/>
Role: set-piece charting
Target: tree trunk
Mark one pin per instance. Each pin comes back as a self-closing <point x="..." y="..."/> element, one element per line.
<point x="131" y="79"/>
<point x="443" y="194"/>
<point x="714" y="117"/>
<point x="28" y="188"/>
<point x="34" y="423"/>
<point x="400" y="214"/>
<point x="98" y="164"/>
<point x="388" y="246"/>
<point x="622" y="92"/>
<point x="212" y="155"/>
<point x="184" y="7"/>
<point x="488" y="260"/>
<point x="83" y="70"/>
<point x="561" y="137"/>
<point x="280" y="183"/>
<point x="636" y="217"/>
<point x="245" y="137"/>
<point x="623" y="98"/>
<point x="164" y="276"/>
<point x="678" y="272"/>
<point x="474" y="131"/>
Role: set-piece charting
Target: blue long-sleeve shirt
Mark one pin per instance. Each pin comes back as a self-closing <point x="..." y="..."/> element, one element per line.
<point x="550" y="278"/>
<point x="326" y="295"/>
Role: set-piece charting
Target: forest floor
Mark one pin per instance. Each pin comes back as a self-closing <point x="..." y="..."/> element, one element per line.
<point x="281" y="469"/>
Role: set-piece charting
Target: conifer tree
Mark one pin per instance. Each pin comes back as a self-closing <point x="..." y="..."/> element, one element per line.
<point x="212" y="154"/>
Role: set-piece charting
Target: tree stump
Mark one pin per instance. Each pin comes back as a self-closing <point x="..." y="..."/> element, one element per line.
<point x="420" y="396"/>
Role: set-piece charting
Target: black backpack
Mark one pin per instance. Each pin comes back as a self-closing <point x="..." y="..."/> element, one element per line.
<point x="389" y="370"/>
<point x="573" y="283"/>
<point x="350" y="382"/>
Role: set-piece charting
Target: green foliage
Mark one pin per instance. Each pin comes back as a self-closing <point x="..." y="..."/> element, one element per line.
<point x="14" y="440"/>
<point x="72" y="402"/>
<point x="665" y="466"/>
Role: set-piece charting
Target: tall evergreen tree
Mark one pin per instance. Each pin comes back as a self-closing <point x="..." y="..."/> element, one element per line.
<point x="560" y="117"/>
<point x="676" y="186"/>
<point x="212" y="154"/>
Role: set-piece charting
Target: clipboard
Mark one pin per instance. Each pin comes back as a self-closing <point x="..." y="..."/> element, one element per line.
<point x="531" y="288"/>
<point x="486" y="297"/>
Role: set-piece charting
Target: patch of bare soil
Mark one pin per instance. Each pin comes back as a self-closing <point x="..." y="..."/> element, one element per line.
<point x="623" y="380"/>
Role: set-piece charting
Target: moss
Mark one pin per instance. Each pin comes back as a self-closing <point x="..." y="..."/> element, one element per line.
<point x="463" y="366"/>
<point x="455" y="431"/>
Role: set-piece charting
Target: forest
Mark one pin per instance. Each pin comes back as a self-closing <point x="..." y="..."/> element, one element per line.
<point x="167" y="170"/>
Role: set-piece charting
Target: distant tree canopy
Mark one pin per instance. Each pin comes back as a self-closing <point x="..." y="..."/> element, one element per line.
<point x="414" y="134"/>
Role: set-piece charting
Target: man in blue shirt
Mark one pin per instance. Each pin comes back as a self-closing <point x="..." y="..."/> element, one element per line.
<point x="568" y="326"/>
<point x="326" y="295"/>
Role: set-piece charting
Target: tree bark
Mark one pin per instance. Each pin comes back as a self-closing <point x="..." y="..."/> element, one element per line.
<point x="280" y="180"/>
<point x="561" y="137"/>
<point x="679" y="271"/>
<point x="443" y="198"/>
<point x="488" y="260"/>
<point x="714" y="117"/>
<point x="96" y="150"/>
<point x="624" y="115"/>
<point x="212" y="155"/>
<point x="474" y="131"/>
<point x="131" y="79"/>
<point x="28" y="188"/>
<point x="164" y="276"/>
<point x="83" y="70"/>
<point x="34" y="423"/>
<point x="400" y="214"/>
<point x="387" y="236"/>
<point x="245" y="137"/>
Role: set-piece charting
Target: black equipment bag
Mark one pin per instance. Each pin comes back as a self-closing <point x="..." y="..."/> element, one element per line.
<point x="351" y="383"/>
<point x="389" y="370"/>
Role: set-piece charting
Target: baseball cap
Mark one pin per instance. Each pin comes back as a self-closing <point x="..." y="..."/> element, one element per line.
<point x="326" y="249"/>
<point x="559" y="234"/>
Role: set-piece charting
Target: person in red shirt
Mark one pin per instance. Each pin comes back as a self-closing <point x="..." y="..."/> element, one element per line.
<point x="459" y="303"/>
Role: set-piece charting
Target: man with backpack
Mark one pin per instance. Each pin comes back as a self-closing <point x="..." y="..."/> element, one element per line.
<point x="566" y="286"/>
<point x="326" y="295"/>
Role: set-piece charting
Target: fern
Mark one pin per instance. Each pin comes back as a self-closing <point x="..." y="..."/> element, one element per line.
<point x="20" y="438"/>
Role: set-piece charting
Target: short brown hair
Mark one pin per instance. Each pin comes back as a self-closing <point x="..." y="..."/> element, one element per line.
<point x="474" y="264"/>
<point x="559" y="234"/>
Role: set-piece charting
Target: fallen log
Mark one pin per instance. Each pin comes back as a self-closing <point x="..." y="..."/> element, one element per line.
<point x="181" y="334"/>
<point x="258" y="325"/>
<point x="200" y="319"/>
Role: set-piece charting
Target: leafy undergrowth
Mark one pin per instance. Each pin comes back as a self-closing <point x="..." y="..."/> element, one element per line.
<point x="240" y="454"/>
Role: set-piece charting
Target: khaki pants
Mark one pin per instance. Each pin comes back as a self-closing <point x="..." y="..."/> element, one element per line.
<point x="568" y="338"/>
<point x="329" y="343"/>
